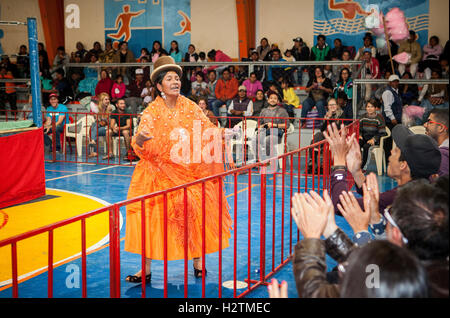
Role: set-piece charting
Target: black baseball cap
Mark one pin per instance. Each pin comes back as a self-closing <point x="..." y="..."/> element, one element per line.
<point x="421" y="152"/>
<point x="299" y="39"/>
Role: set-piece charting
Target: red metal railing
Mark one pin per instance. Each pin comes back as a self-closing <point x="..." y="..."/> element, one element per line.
<point x="114" y="223"/>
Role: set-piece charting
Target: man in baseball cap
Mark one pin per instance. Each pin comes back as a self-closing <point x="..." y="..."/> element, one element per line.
<point x="417" y="155"/>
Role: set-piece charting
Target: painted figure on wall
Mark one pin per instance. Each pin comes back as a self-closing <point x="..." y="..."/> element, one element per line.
<point x="125" y="18"/>
<point x="349" y="8"/>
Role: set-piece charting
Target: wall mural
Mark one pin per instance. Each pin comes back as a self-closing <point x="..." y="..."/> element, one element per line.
<point x="140" y="22"/>
<point x="345" y="19"/>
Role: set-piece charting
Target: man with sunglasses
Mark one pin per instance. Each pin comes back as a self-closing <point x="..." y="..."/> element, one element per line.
<point x="437" y="128"/>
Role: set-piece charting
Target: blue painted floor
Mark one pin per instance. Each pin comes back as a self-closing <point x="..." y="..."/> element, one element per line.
<point x="110" y="183"/>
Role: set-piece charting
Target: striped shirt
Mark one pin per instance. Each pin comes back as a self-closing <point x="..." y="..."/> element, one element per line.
<point x="372" y="127"/>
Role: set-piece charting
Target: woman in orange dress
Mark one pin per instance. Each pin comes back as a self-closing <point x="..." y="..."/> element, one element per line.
<point x="166" y="126"/>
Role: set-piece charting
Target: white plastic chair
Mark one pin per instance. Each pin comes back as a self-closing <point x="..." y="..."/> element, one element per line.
<point x="245" y="138"/>
<point x="378" y="153"/>
<point x="82" y="126"/>
<point x="281" y="145"/>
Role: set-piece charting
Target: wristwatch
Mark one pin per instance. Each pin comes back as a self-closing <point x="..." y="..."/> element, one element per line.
<point x="334" y="168"/>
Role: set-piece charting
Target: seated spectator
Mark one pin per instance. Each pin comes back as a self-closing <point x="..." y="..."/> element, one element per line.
<point x="444" y="66"/>
<point x="134" y="100"/>
<point x="58" y="113"/>
<point x="334" y="112"/>
<point x="288" y="56"/>
<point x="337" y="51"/>
<point x="107" y="56"/>
<point x="259" y="103"/>
<point x="318" y="89"/>
<point x="290" y="98"/>
<point x="91" y="72"/>
<point x="80" y="51"/>
<point x="60" y="61"/>
<point x="118" y="89"/>
<point x="263" y="49"/>
<point x="383" y="56"/>
<point x="101" y="126"/>
<point x="217" y="56"/>
<point x="253" y="85"/>
<point x="122" y="125"/>
<point x="226" y="89"/>
<point x="346" y="56"/>
<point x="431" y="54"/>
<point x="175" y="52"/>
<point x="274" y="73"/>
<point x="240" y="106"/>
<point x="191" y="55"/>
<point x="412" y="47"/>
<point x="211" y="87"/>
<point x="156" y="51"/>
<point x="382" y="87"/>
<point x="408" y="92"/>
<point x="301" y="52"/>
<point x="371" y="128"/>
<point x="23" y="62"/>
<point x="345" y="105"/>
<point x="195" y="70"/>
<point x="202" y="102"/>
<point x="124" y="55"/>
<point x="199" y="86"/>
<point x="44" y="67"/>
<point x="105" y="84"/>
<point x="436" y="127"/>
<point x="345" y="85"/>
<point x="436" y="95"/>
<point x="328" y="73"/>
<point x="202" y="57"/>
<point x="372" y="71"/>
<point x="368" y="45"/>
<point x="241" y="74"/>
<point x="42" y="52"/>
<point x="321" y="52"/>
<point x="96" y="49"/>
<point x="147" y="93"/>
<point x="8" y="92"/>
<point x="273" y="116"/>
<point x="144" y="53"/>
<point x="62" y="85"/>
<point x="259" y="70"/>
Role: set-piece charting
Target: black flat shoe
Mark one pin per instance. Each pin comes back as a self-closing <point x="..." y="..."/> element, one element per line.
<point x="138" y="279"/>
<point x="198" y="273"/>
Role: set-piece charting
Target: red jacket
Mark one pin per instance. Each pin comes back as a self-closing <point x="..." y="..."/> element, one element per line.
<point x="104" y="86"/>
<point x="226" y="90"/>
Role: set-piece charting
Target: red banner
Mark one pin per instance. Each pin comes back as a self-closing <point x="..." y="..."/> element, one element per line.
<point x="22" y="165"/>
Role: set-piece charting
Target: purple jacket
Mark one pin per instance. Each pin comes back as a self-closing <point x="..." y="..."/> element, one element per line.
<point x="338" y="184"/>
<point x="443" y="169"/>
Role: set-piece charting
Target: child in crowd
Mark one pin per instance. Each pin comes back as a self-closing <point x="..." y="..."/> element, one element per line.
<point x="147" y="93"/>
<point x="118" y="88"/>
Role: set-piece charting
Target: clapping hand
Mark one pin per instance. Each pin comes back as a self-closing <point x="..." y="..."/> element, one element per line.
<point x="278" y="291"/>
<point x="372" y="198"/>
<point x="352" y="212"/>
<point x="310" y="213"/>
<point x="338" y="142"/>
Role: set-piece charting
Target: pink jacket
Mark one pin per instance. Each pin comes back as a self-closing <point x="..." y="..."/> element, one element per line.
<point x="428" y="50"/>
<point x="118" y="90"/>
<point x="220" y="57"/>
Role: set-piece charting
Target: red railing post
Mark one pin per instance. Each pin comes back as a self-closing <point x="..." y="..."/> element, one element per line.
<point x="262" y="252"/>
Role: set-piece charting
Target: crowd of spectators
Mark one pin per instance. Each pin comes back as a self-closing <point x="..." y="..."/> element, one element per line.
<point x="222" y="86"/>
